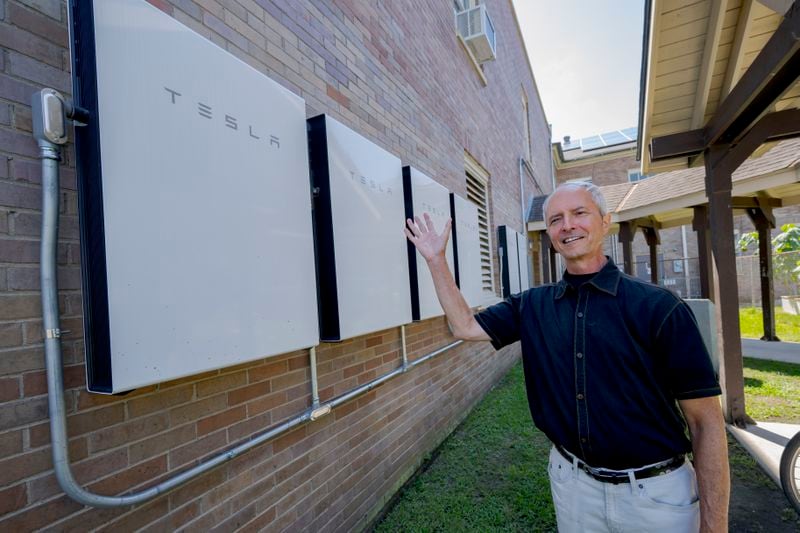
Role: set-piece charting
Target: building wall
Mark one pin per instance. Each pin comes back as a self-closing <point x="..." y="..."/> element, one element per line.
<point x="603" y="171"/>
<point x="396" y="73"/>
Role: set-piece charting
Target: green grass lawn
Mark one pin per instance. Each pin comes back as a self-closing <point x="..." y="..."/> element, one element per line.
<point x="491" y="473"/>
<point x="787" y="326"/>
<point x="772" y="390"/>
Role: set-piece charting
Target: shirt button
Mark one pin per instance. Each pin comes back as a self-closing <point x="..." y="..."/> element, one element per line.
<point x="580" y="315"/>
<point x="579" y="355"/>
<point x="580" y="396"/>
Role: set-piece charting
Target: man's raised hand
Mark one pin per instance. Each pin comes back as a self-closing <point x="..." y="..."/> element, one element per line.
<point x="423" y="235"/>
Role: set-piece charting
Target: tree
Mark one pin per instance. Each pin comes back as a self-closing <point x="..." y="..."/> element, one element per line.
<point x="786" y="264"/>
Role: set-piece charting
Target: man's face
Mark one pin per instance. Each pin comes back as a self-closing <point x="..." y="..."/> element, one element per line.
<point x="575" y="226"/>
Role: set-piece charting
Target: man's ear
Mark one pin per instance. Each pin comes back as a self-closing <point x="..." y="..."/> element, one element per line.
<point x="606" y="222"/>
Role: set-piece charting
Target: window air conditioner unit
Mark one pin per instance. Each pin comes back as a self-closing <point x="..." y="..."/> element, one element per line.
<point x="476" y="27"/>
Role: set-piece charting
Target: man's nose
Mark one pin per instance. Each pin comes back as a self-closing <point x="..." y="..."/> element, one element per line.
<point x="566" y="223"/>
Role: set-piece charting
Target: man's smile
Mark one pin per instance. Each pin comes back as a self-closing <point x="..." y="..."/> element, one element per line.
<point x="571" y="239"/>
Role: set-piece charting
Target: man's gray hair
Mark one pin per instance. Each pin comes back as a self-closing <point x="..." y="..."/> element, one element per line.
<point x="597" y="195"/>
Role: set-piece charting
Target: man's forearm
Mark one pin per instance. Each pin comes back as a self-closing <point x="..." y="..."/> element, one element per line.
<point x="452" y="301"/>
<point x="710" y="449"/>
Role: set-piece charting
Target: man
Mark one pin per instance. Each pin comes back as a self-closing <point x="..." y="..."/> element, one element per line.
<point x="616" y="372"/>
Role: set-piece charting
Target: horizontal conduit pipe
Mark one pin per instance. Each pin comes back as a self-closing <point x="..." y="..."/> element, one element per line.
<point x="49" y="153"/>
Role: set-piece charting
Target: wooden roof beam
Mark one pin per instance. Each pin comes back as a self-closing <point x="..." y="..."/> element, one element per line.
<point x="715" y="21"/>
<point x="751" y="202"/>
<point x="772" y="73"/>
<point x="772" y="127"/>
<point x="737" y="51"/>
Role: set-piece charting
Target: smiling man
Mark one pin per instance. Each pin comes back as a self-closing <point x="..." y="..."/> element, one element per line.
<point x="617" y="377"/>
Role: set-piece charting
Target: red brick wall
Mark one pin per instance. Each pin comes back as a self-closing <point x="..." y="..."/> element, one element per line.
<point x="603" y="172"/>
<point x="395" y="72"/>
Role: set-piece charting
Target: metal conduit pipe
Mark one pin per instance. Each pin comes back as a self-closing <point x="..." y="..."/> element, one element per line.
<point x="50" y="156"/>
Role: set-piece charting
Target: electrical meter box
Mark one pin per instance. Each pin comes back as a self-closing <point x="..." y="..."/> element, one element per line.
<point x="423" y="195"/>
<point x="359" y="213"/>
<point x="467" y="249"/>
<point x="195" y="207"/>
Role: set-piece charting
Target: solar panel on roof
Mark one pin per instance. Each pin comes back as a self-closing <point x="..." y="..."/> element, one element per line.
<point x="631" y="133"/>
<point x="613" y="138"/>
<point x="590" y="143"/>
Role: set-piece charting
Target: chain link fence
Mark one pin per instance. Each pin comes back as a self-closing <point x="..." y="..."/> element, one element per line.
<point x="785" y="280"/>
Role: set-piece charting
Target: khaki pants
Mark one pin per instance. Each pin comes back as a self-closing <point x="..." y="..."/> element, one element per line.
<point x="661" y="503"/>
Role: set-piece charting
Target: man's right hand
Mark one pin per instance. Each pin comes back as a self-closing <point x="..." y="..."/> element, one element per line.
<point x="422" y="234"/>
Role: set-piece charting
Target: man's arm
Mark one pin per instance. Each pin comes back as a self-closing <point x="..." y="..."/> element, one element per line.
<point x="432" y="247"/>
<point x="710" y="449"/>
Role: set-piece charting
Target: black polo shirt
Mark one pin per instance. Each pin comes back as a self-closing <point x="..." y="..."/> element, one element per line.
<point x="604" y="365"/>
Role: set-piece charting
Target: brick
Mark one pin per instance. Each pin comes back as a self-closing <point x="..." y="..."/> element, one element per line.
<point x="197" y="409"/>
<point x="289" y="379"/>
<point x="10" y="443"/>
<point x="249" y="392"/>
<point x="289" y="439"/>
<point x="15" y="90"/>
<point x="16" y="361"/>
<point x="196" y="488"/>
<point x="138" y="517"/>
<point x="35" y="383"/>
<point x="22" y="412"/>
<point x="5" y="114"/>
<point x="24" y="466"/>
<point x="221" y="383"/>
<point x="18" y="251"/>
<point x="10" y="335"/>
<point x="17" y="143"/>
<point x="44" y="27"/>
<point x="197" y="449"/>
<point x="13" y="498"/>
<point x="85" y="472"/>
<point x="263" y="372"/>
<point x="162" y="5"/>
<point x="51" y="8"/>
<point x="224" y="31"/>
<point x="175" y="519"/>
<point x="248" y="427"/>
<point x="221" y="420"/>
<point x="124" y="480"/>
<point x="23" y="118"/>
<point x="121" y="434"/>
<point x="36" y="517"/>
<point x="25" y="169"/>
<point x="161" y="400"/>
<point x="88" y="421"/>
<point x="161" y="443"/>
<point x="9" y="389"/>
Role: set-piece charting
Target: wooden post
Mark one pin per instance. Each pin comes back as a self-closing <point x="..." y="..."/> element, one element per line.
<point x="627" y="230"/>
<point x="764" y="221"/>
<point x="700" y="226"/>
<point x="718" y="187"/>
<point x="544" y="240"/>
<point x="651" y="236"/>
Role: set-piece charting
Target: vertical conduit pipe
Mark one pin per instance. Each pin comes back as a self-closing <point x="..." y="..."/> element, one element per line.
<point x="312" y="363"/>
<point x="405" y="350"/>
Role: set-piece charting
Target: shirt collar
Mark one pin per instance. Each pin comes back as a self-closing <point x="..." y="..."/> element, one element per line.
<point x="606" y="280"/>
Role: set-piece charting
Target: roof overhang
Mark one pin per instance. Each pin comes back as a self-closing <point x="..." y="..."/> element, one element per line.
<point x="710" y="71"/>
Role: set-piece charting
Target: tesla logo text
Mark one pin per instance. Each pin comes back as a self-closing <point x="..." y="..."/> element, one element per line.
<point x="208" y="112"/>
<point x="370" y="184"/>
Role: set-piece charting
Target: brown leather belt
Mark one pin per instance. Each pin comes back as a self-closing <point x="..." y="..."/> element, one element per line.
<point x="616" y="477"/>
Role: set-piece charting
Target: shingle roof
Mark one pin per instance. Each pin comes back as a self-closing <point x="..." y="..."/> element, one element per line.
<point x="675" y="184"/>
<point x="668" y="185"/>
